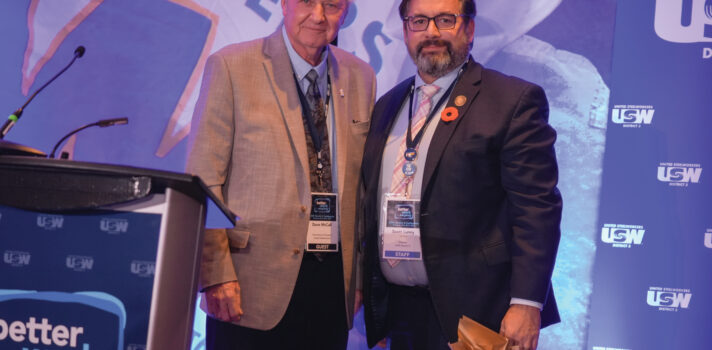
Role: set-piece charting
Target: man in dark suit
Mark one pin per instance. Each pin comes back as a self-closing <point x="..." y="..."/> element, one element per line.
<point x="461" y="211"/>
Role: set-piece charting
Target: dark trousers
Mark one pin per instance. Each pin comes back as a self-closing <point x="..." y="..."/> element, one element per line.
<point x="412" y="322"/>
<point x="315" y="317"/>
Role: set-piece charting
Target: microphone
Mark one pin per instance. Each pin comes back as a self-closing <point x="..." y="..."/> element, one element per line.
<point x="15" y="116"/>
<point x="102" y="124"/>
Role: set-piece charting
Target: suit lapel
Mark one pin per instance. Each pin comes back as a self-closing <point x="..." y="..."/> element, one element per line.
<point x="281" y="77"/>
<point x="381" y="128"/>
<point x="339" y="77"/>
<point x="468" y="87"/>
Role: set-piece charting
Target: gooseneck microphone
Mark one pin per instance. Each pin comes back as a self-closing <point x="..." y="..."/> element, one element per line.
<point x="102" y="124"/>
<point x="15" y="116"/>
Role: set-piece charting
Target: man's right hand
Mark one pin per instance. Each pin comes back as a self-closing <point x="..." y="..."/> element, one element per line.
<point x="224" y="302"/>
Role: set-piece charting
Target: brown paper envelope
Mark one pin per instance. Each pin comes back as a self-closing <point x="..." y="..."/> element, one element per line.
<point x="474" y="336"/>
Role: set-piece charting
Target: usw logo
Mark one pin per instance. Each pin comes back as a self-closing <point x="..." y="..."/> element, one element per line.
<point x="632" y="117"/>
<point x="16" y="259"/>
<point x="669" y="299"/>
<point x="79" y="263"/>
<point x="679" y="174"/>
<point x="143" y="268"/>
<point x="683" y="21"/>
<point x="113" y="226"/>
<point x="50" y="222"/>
<point x="622" y="236"/>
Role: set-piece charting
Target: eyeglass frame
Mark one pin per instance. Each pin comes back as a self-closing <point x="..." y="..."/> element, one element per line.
<point x="407" y="19"/>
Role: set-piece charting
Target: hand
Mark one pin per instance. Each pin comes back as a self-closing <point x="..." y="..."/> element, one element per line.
<point x="224" y="301"/>
<point x="383" y="343"/>
<point x="521" y="325"/>
<point x="358" y="300"/>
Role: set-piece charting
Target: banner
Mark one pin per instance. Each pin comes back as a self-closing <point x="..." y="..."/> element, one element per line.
<point x="76" y="281"/>
<point x="651" y="290"/>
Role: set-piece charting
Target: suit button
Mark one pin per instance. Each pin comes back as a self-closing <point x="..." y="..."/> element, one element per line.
<point x="295" y="251"/>
<point x="303" y="209"/>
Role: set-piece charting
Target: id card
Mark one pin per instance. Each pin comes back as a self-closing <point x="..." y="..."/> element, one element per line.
<point x="401" y="228"/>
<point x="323" y="233"/>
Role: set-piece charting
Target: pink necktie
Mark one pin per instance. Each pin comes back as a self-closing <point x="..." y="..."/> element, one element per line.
<point x="400" y="183"/>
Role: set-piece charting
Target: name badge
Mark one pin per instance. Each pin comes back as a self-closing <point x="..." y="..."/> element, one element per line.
<point x="323" y="233"/>
<point x="401" y="228"/>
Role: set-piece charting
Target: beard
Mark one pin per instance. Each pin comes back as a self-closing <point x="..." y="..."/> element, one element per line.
<point x="437" y="65"/>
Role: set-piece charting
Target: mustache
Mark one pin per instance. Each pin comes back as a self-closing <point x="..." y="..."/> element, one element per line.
<point x="436" y="42"/>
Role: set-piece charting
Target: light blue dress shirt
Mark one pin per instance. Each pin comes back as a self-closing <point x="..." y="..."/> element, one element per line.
<point x="409" y="272"/>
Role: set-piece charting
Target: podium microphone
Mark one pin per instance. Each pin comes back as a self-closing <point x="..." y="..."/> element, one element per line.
<point x="102" y="124"/>
<point x="12" y="119"/>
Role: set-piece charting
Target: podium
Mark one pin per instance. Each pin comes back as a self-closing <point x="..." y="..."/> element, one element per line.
<point x="98" y="256"/>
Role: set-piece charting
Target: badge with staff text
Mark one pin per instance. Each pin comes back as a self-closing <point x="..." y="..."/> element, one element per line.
<point x="323" y="233"/>
<point x="401" y="229"/>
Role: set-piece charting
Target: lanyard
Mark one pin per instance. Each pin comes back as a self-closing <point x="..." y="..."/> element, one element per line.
<point x="307" y="113"/>
<point x="410" y="142"/>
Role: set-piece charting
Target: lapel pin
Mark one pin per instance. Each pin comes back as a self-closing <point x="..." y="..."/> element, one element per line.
<point x="460" y="100"/>
<point x="449" y="114"/>
<point x="341" y="92"/>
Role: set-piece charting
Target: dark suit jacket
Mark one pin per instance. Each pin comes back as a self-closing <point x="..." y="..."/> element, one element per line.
<point x="490" y="209"/>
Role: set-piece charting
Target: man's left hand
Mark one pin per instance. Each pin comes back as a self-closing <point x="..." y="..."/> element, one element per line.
<point x="521" y="325"/>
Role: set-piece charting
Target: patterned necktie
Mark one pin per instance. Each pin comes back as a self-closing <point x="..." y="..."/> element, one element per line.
<point x="320" y="178"/>
<point x="401" y="183"/>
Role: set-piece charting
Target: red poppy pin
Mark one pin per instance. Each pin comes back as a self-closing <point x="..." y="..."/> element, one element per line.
<point x="449" y="114"/>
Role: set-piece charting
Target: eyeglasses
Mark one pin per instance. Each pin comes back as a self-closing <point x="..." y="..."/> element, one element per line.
<point x="420" y="23"/>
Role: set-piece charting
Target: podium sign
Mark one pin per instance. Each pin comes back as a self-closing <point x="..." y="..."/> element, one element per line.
<point x="114" y="276"/>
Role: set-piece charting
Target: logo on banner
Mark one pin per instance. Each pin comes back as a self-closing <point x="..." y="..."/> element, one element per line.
<point x="679" y="174"/>
<point x="683" y="21"/>
<point x="113" y="225"/>
<point x="669" y="299"/>
<point x="622" y="236"/>
<point x="80" y="263"/>
<point x="632" y="116"/>
<point x="50" y="222"/>
<point x="708" y="238"/>
<point x="143" y="268"/>
<point x="16" y="259"/>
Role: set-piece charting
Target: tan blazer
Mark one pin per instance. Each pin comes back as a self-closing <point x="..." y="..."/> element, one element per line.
<point x="248" y="145"/>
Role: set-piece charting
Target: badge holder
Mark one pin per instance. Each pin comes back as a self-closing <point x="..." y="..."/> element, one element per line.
<point x="323" y="233"/>
<point x="400" y="231"/>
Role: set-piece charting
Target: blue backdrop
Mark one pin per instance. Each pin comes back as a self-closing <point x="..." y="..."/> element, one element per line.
<point x="627" y="83"/>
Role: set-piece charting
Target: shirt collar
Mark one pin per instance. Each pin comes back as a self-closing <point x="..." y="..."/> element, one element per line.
<point x="442" y="82"/>
<point x="301" y="66"/>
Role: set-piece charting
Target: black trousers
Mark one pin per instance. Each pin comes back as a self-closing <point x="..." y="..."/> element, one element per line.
<point x="315" y="317"/>
<point x="412" y="322"/>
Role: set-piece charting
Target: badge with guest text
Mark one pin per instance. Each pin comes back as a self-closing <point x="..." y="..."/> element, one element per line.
<point x="401" y="228"/>
<point x="323" y="233"/>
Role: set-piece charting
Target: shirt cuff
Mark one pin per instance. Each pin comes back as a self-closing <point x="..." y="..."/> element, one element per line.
<point x="519" y="301"/>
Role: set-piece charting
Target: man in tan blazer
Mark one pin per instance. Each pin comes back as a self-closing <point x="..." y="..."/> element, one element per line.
<point x="253" y="143"/>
